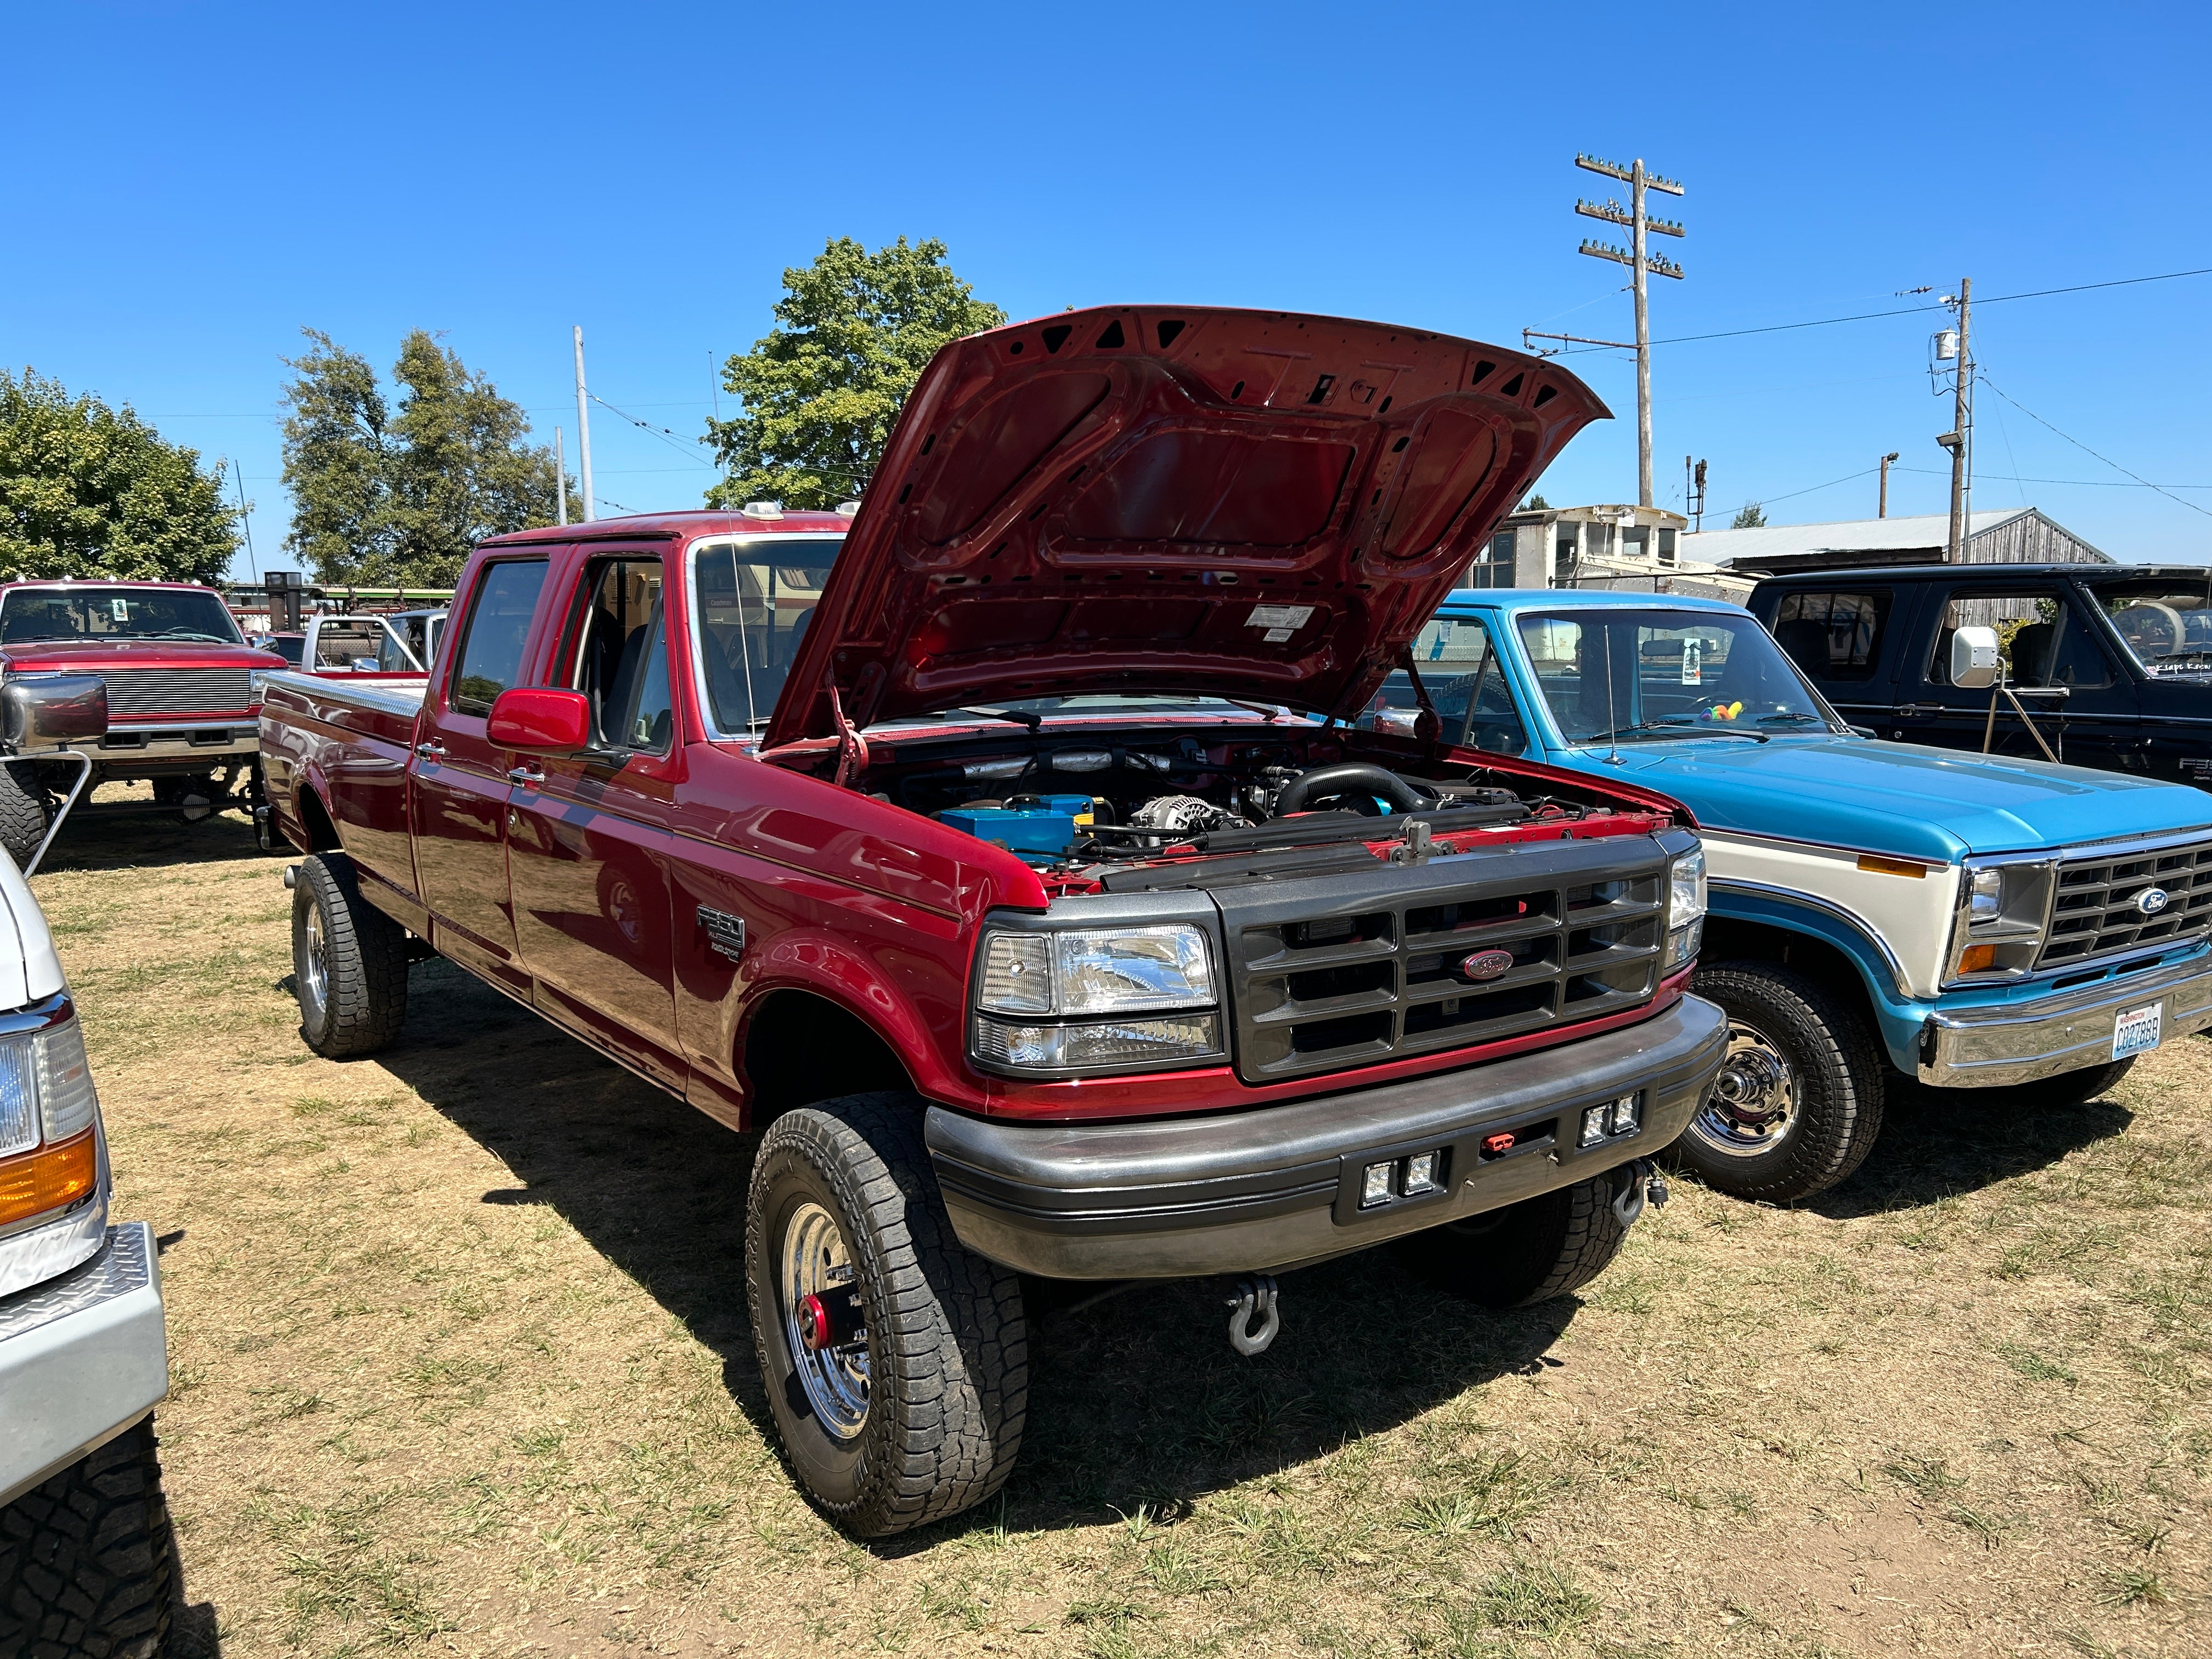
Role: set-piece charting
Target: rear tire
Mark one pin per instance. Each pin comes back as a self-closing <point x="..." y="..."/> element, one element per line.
<point x="349" y="961"/>
<point x="86" y="1558"/>
<point x="917" y="1413"/>
<point x="1530" y="1252"/>
<point x="1797" y="1105"/>
<point x="25" y="816"/>
<point x="2068" y="1088"/>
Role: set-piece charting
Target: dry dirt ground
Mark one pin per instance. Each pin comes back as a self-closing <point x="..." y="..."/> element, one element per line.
<point x="461" y="1365"/>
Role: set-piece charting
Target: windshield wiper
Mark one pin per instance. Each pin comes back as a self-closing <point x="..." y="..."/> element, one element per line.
<point x="1019" y="716"/>
<point x="1794" y="715"/>
<point x="1678" y="728"/>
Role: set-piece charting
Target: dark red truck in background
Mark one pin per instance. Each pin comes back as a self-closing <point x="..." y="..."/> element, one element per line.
<point x="1003" y="853"/>
<point x="140" y="680"/>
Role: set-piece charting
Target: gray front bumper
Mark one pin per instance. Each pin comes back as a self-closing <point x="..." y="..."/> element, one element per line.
<point x="1268" y="1187"/>
<point x="82" y="1357"/>
<point x="2020" y="1042"/>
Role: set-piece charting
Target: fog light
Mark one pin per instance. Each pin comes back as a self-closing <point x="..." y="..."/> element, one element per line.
<point x="1627" y="1115"/>
<point x="1595" y="1119"/>
<point x="1420" y="1174"/>
<point x="1375" y="1186"/>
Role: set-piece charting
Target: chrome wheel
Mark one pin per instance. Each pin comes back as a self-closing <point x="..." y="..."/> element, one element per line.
<point x="1754" y="1104"/>
<point x="822" y="1321"/>
<point x="315" y="962"/>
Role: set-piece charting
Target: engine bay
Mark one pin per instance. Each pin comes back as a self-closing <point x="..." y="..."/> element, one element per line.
<point x="1119" y="809"/>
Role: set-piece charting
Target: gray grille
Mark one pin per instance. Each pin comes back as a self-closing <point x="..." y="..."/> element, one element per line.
<point x="2096" y="912"/>
<point x="1347" y="970"/>
<point x="170" y="692"/>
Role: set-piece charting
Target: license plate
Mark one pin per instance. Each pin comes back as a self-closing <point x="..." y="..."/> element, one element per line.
<point x="2135" y="1030"/>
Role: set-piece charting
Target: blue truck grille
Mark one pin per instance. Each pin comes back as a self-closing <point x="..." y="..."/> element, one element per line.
<point x="2098" y="910"/>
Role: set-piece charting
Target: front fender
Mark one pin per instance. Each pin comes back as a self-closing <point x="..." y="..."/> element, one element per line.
<point x="1898" y="1015"/>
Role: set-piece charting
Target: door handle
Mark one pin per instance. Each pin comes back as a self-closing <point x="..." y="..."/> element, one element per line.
<point x="528" y="776"/>
<point x="432" y="750"/>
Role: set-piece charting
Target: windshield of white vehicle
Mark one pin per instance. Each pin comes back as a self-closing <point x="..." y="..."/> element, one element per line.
<point x="752" y="600"/>
<point x="2168" y="628"/>
<point x="28" y="614"/>
<point x="1618" y="675"/>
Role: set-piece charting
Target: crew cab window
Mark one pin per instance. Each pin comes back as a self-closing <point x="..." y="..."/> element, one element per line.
<point x="497" y="628"/>
<point x="1834" y="637"/>
<point x="2040" y="640"/>
<point x="1460" y="669"/>
<point x="621" y="656"/>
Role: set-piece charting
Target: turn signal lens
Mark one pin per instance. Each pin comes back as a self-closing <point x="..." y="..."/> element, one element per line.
<point x="50" y="1179"/>
<point x="1977" y="958"/>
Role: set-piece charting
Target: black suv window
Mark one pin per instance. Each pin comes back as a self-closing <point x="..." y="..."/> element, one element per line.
<point x="1834" y="637"/>
<point x="2041" y="641"/>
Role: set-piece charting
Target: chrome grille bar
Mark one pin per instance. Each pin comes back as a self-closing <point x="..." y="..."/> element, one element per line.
<point x="2099" y="910"/>
<point x="174" y="692"/>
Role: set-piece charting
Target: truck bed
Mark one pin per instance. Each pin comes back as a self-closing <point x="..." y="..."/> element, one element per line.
<point x="348" y="742"/>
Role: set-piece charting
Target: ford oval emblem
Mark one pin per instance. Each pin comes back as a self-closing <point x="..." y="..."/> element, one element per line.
<point x="1485" y="965"/>
<point x="2152" y="900"/>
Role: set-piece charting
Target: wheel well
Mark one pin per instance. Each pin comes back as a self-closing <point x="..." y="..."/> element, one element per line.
<point x="1729" y="939"/>
<point x="322" y="833"/>
<point x="801" y="1047"/>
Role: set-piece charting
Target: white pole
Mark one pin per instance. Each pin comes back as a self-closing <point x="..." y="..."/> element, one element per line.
<point x="560" y="480"/>
<point x="583" y="428"/>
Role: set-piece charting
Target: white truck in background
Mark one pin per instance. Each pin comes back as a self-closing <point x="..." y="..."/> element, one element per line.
<point x="85" y="1562"/>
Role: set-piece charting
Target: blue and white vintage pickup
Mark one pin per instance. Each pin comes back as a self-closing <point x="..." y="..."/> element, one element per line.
<point x="1879" y="911"/>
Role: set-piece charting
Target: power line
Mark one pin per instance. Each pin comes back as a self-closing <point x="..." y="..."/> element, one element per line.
<point x="2086" y="450"/>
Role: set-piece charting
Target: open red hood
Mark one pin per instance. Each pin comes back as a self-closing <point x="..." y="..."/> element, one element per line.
<point x="1159" y="499"/>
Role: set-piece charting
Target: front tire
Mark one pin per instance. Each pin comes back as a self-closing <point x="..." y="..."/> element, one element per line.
<point x="85" y="1557"/>
<point x="24" y="815"/>
<point x="1534" y="1251"/>
<point x="909" y="1405"/>
<point x="349" y="961"/>
<point x="1798" y="1103"/>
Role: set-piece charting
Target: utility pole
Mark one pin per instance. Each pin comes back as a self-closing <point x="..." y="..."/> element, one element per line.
<point x="560" y="480"/>
<point x="1882" y="510"/>
<point x="1959" y="438"/>
<point x="583" y="428"/>
<point x="1641" y="262"/>
<point x="1693" y="493"/>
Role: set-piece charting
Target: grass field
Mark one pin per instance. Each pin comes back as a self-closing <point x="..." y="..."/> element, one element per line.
<point x="461" y="1365"/>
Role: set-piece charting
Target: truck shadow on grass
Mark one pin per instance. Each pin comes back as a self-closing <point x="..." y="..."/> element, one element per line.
<point x="1936" y="1142"/>
<point x="1136" y="1402"/>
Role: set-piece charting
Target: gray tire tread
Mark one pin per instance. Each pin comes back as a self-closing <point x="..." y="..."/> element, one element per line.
<point x="24" y="820"/>
<point x="85" y="1559"/>
<point x="366" y="985"/>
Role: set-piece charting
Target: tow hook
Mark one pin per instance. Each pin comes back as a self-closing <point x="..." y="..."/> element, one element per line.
<point x="1641" y="1181"/>
<point x="1253" y="1294"/>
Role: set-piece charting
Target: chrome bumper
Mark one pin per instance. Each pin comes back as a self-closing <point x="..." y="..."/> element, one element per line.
<point x="82" y="1357"/>
<point x="2020" y="1042"/>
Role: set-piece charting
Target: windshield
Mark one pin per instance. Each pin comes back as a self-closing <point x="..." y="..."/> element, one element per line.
<point x="752" y="600"/>
<point x="1621" y="675"/>
<point x="30" y="614"/>
<point x="2169" y="630"/>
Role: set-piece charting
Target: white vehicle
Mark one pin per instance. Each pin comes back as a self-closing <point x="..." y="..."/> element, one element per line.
<point x="86" y="1566"/>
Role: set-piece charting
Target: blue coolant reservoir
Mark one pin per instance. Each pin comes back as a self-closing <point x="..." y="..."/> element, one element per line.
<point x="1029" y="830"/>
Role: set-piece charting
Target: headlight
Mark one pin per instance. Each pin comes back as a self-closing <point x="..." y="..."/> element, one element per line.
<point x="1061" y="1000"/>
<point x="1685" y="908"/>
<point x="48" y="1159"/>
<point x="2004" y="911"/>
<point x="257" y="682"/>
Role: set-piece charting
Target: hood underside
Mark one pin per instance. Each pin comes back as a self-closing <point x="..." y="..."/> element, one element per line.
<point x="1240" y="503"/>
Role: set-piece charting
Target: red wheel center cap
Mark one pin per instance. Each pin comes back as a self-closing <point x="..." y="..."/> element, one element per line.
<point x="813" y="1323"/>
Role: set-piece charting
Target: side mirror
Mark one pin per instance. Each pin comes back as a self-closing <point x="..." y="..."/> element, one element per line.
<point x="52" y="711"/>
<point x="1974" y="658"/>
<point x="541" y="720"/>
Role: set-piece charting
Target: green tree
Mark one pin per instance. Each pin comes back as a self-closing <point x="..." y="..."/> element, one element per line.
<point x="88" y="490"/>
<point x="394" y="493"/>
<point x="1748" y="517"/>
<point x="853" y="332"/>
<point x="1535" y="504"/>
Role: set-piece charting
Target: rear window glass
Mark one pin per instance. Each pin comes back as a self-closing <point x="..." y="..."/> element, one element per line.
<point x="1834" y="637"/>
<point x="498" y="626"/>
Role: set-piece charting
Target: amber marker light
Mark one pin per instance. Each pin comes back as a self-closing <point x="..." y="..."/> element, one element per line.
<point x="1977" y="958"/>
<point x="1882" y="866"/>
<point x="52" y="1178"/>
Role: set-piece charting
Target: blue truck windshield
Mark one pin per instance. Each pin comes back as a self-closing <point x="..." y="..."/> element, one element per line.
<point x="1624" y="675"/>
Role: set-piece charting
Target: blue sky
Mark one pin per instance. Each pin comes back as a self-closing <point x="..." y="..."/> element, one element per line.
<point x="193" y="185"/>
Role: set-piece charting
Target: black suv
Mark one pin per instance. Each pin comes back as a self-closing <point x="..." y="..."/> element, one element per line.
<point x="2113" y="664"/>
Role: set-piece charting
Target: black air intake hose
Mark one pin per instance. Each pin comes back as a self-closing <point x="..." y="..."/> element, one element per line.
<point x="1356" y="778"/>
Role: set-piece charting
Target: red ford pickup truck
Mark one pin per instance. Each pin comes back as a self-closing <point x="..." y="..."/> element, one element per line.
<point x="1002" y="854"/>
<point x="132" y="680"/>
